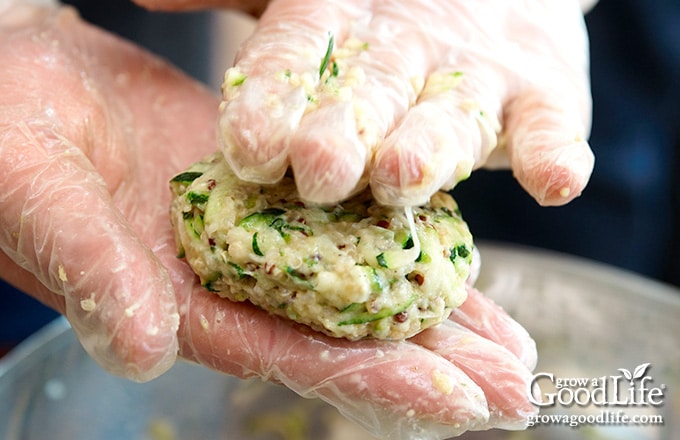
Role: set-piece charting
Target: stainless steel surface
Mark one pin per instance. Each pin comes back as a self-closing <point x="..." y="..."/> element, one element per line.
<point x="589" y="321"/>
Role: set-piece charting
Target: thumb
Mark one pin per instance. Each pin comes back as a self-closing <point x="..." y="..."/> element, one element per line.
<point x="57" y="223"/>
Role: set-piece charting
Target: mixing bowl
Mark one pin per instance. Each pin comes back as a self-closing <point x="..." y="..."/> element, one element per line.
<point x="609" y="361"/>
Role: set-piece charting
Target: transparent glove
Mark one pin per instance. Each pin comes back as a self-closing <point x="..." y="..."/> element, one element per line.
<point x="91" y="129"/>
<point x="412" y="97"/>
<point x="251" y="7"/>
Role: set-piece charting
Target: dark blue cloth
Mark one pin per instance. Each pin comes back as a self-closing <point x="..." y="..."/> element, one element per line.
<point x="628" y="215"/>
<point x="20" y="315"/>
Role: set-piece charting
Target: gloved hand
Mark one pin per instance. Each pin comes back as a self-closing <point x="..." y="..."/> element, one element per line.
<point x="91" y="129"/>
<point x="411" y="96"/>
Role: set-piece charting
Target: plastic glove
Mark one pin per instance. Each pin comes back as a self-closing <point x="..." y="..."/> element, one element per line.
<point x="415" y="95"/>
<point x="441" y="383"/>
<point x="91" y="129"/>
<point x="251" y="7"/>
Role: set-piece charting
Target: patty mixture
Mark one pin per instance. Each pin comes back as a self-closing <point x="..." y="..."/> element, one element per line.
<point x="354" y="270"/>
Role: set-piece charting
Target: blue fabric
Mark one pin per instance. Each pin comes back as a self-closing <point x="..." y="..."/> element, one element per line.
<point x="20" y="315"/>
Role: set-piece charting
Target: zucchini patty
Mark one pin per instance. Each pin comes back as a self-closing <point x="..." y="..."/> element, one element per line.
<point x="352" y="270"/>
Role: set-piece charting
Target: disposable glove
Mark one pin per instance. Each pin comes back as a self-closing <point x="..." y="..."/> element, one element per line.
<point x="411" y="96"/>
<point x="91" y="130"/>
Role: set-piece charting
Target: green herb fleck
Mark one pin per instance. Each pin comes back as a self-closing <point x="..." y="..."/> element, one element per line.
<point x="197" y="198"/>
<point x="187" y="177"/>
<point x="364" y="317"/>
<point x="295" y="273"/>
<point x="459" y="251"/>
<point x="256" y="248"/>
<point x="209" y="286"/>
<point x="282" y="226"/>
<point x="240" y="79"/>
<point x="266" y="216"/>
<point x="327" y="58"/>
<point x="195" y="224"/>
<point x="354" y="307"/>
<point x="463" y="251"/>
<point x="299" y="277"/>
<point x="279" y="225"/>
<point x="376" y="282"/>
<point x="272" y="211"/>
<point x="238" y="269"/>
<point x="381" y="260"/>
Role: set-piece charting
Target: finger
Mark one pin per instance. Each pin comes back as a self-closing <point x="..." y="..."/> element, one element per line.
<point x="502" y="377"/>
<point x="486" y="318"/>
<point x="547" y="116"/>
<point x="393" y="389"/>
<point x="59" y="225"/>
<point x="451" y="128"/>
<point x="266" y="93"/>
<point x="549" y="154"/>
<point x="327" y="157"/>
<point x="371" y="85"/>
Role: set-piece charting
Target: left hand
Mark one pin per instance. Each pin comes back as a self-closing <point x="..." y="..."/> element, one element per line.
<point x="415" y="96"/>
<point x="91" y="129"/>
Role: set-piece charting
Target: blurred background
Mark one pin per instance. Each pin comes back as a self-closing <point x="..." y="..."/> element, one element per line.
<point x="627" y="217"/>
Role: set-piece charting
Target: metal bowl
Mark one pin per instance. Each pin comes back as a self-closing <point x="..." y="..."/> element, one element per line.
<point x="590" y="321"/>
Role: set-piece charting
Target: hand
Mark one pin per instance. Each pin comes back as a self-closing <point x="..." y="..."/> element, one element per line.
<point x="414" y="97"/>
<point x="91" y="129"/>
